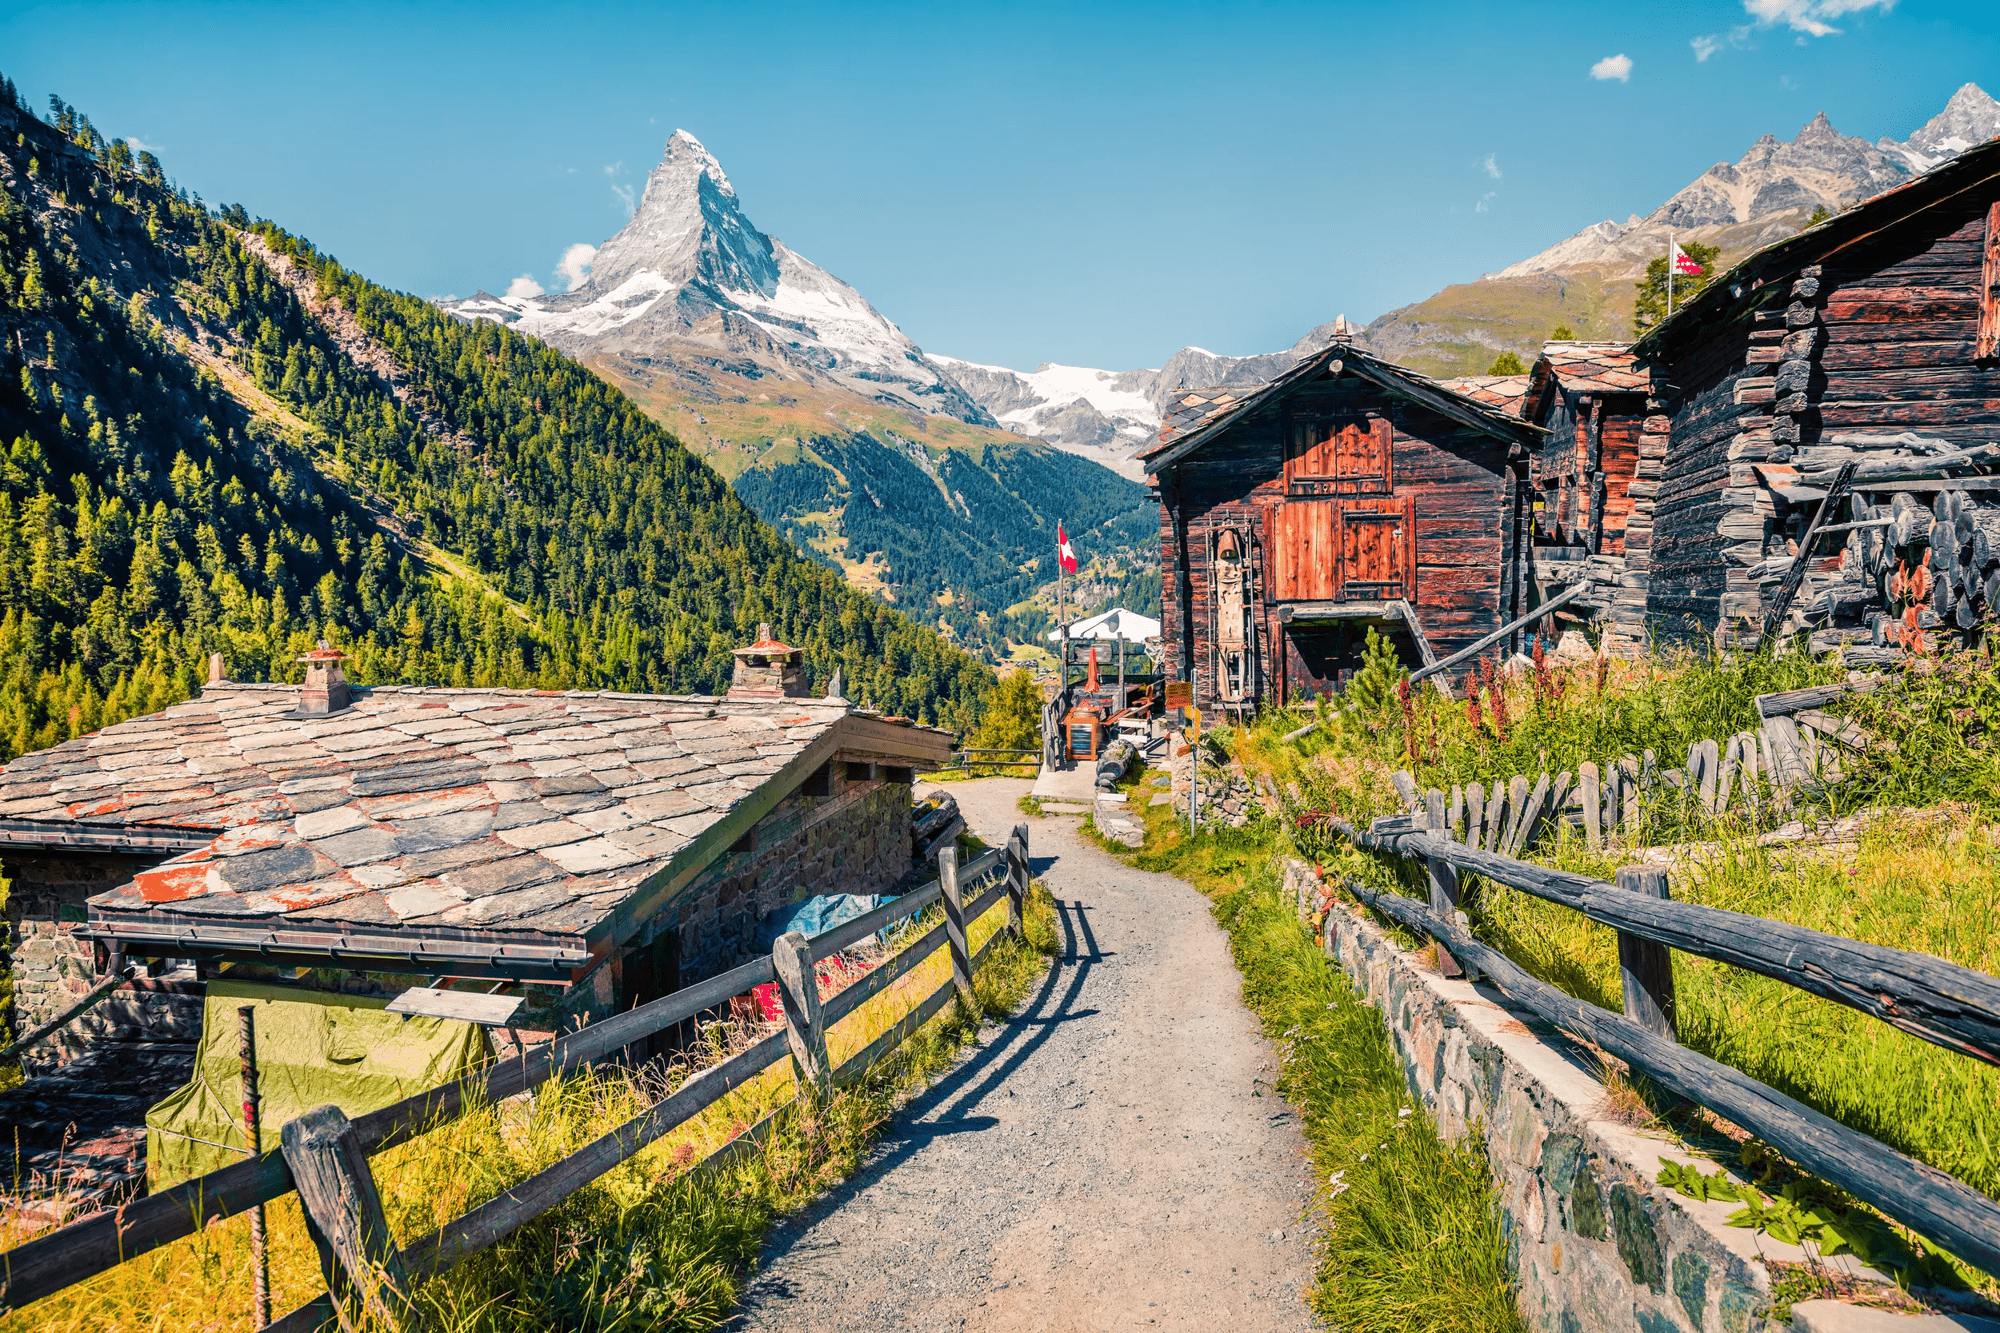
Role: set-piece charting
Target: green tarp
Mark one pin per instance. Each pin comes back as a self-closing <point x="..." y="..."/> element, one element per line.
<point x="312" y="1049"/>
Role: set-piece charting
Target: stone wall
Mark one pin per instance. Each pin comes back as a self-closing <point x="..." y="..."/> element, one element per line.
<point x="51" y="968"/>
<point x="1594" y="1242"/>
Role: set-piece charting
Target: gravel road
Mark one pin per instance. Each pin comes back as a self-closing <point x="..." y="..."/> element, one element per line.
<point x="1111" y="1157"/>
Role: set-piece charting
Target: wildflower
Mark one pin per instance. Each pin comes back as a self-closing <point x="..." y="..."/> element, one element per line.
<point x="1402" y="1113"/>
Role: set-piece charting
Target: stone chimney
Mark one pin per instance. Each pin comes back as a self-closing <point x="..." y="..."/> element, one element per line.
<point x="768" y="669"/>
<point x="325" y="690"/>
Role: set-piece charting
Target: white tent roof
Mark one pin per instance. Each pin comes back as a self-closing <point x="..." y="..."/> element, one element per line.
<point x="1117" y="623"/>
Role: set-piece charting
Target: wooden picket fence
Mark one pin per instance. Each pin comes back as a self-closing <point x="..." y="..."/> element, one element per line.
<point x="1951" y="1006"/>
<point x="1796" y="748"/>
<point x="324" y="1154"/>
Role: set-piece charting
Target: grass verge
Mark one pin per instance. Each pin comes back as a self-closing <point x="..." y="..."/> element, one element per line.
<point x="653" y="1244"/>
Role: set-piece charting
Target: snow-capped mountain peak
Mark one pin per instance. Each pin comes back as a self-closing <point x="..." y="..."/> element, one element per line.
<point x="1970" y="117"/>
<point x="691" y="279"/>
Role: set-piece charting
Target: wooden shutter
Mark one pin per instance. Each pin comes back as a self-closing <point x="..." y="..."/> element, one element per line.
<point x="1988" y="346"/>
<point x="1306" y="557"/>
<point x="1339" y="456"/>
<point x="1377" y="540"/>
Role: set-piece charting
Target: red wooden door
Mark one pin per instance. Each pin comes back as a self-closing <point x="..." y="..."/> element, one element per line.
<point x="1339" y="457"/>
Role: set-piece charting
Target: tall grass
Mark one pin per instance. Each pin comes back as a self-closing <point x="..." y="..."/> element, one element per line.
<point x="1411" y="1239"/>
<point x="650" y="1245"/>
<point x="1926" y="884"/>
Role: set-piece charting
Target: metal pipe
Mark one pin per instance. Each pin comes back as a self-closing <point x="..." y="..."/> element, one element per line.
<point x="260" y="1269"/>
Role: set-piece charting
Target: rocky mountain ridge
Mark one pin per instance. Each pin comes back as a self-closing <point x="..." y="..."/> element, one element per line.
<point x="1584" y="281"/>
<point x="690" y="285"/>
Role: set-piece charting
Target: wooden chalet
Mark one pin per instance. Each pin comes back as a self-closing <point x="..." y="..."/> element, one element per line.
<point x="1344" y="494"/>
<point x="1595" y="477"/>
<point x="1873" y="338"/>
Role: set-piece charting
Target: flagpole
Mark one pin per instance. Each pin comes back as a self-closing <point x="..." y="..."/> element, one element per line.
<point x="1670" y="271"/>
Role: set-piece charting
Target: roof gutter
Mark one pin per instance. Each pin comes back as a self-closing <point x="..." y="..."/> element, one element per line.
<point x="52" y="835"/>
<point x="363" y="951"/>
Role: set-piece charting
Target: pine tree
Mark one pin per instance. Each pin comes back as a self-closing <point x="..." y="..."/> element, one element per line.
<point x="1507" y="363"/>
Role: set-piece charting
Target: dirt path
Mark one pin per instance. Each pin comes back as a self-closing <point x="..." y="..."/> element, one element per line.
<point x="1112" y="1157"/>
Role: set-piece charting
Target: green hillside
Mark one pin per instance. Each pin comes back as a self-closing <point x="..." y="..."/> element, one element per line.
<point x="198" y="460"/>
<point x="950" y="522"/>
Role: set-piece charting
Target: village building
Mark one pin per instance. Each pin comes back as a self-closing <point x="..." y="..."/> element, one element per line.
<point x="593" y="849"/>
<point x="1346" y="494"/>
<point x="1872" y="338"/>
<point x="1595" y="478"/>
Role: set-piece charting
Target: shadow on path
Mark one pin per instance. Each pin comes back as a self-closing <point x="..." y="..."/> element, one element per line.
<point x="941" y="1109"/>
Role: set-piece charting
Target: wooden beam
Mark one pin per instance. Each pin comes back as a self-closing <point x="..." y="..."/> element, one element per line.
<point x="1560" y="599"/>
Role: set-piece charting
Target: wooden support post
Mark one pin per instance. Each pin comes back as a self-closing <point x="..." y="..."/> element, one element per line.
<point x="954" y="928"/>
<point x="1455" y="815"/>
<point x="253" y="1139"/>
<point x="1531" y="821"/>
<point x="1444" y="883"/>
<point x="1017" y="878"/>
<point x="363" y="1268"/>
<point x="798" y="990"/>
<point x="1593" y="805"/>
<point x="1646" y="967"/>
<point x="1628" y="795"/>
<point x="1475" y="815"/>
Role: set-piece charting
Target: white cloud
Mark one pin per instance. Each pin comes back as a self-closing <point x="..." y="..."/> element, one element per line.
<point x="1491" y="167"/>
<point x="1485" y="203"/>
<point x="141" y="146"/>
<point x="524" y="286"/>
<point x="1617" y="67"/>
<point x="624" y="191"/>
<point x="1810" y="17"/>
<point x="575" y="263"/>
<point x="1704" y="47"/>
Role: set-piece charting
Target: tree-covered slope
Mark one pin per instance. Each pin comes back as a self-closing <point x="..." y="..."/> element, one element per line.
<point x="958" y="536"/>
<point x="217" y="439"/>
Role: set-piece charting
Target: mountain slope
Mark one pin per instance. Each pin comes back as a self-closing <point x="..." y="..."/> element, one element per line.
<point x="199" y="460"/>
<point x="799" y="392"/>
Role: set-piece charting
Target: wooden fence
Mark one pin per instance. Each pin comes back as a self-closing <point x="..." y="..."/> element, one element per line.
<point x="1789" y="753"/>
<point x="325" y="1154"/>
<point x="969" y="758"/>
<point x="1951" y="1006"/>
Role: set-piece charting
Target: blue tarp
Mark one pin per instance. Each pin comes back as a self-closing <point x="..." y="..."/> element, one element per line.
<point x="815" y="916"/>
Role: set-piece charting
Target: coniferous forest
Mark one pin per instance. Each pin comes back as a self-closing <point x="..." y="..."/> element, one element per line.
<point x="215" y="438"/>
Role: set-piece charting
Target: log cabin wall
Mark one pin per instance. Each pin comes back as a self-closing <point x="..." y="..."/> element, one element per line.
<point x="1442" y="526"/>
<point x="1865" y="328"/>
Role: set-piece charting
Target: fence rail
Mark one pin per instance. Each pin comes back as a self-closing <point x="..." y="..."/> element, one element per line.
<point x="1951" y="1006"/>
<point x="103" y="1240"/>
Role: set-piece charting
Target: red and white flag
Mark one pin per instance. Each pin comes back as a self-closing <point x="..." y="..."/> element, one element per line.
<point x="1686" y="266"/>
<point x="1065" y="553"/>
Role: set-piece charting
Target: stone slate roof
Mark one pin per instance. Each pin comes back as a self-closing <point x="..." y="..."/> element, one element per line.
<point x="1502" y="391"/>
<point x="1195" y="406"/>
<point x="1583" y="367"/>
<point x="1202" y="415"/>
<point x="470" y="812"/>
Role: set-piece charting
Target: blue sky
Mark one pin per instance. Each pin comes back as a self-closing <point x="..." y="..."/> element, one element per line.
<point x="1091" y="184"/>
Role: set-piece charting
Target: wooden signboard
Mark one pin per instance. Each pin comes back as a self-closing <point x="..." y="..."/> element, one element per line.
<point x="1180" y="694"/>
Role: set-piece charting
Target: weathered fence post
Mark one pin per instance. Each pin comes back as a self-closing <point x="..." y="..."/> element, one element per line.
<point x="798" y="989"/>
<point x="1593" y="805"/>
<point x="1647" y="967"/>
<point x="954" y="927"/>
<point x="1444" y="879"/>
<point x="363" y="1268"/>
<point x="1017" y="877"/>
<point x="260" y="1269"/>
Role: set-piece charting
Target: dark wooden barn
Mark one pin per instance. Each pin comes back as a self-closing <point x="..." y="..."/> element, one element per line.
<point x="1596" y="477"/>
<point x="1871" y="338"/>
<point x="1345" y="494"/>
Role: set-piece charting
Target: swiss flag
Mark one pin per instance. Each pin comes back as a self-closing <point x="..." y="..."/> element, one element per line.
<point x="1685" y="265"/>
<point x="1065" y="553"/>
